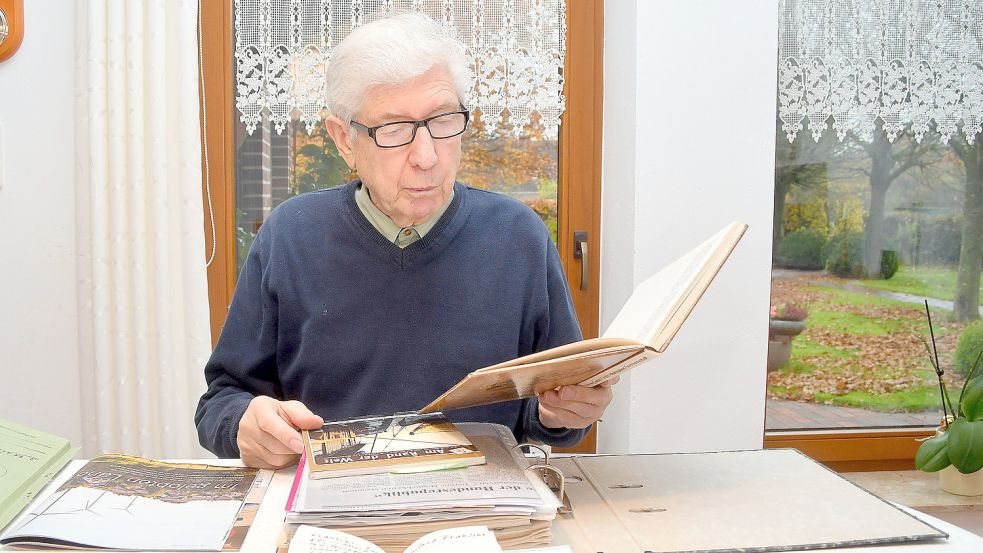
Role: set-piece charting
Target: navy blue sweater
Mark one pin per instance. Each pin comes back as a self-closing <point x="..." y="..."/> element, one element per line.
<point x="328" y="312"/>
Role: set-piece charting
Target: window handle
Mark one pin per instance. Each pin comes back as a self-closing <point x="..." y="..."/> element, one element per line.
<point x="580" y="252"/>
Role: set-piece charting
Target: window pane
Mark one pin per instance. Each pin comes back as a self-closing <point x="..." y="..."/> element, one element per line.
<point x="271" y="167"/>
<point x="865" y="232"/>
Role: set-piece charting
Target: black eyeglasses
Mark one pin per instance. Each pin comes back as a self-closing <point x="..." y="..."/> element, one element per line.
<point x="401" y="133"/>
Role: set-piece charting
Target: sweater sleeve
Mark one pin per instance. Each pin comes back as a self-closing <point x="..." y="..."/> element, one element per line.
<point x="243" y="364"/>
<point x="559" y="327"/>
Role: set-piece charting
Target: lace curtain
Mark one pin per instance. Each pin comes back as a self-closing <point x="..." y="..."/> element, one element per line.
<point x="905" y="62"/>
<point x="516" y="49"/>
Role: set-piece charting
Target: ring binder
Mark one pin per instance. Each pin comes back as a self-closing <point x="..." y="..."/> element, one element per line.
<point x="551" y="475"/>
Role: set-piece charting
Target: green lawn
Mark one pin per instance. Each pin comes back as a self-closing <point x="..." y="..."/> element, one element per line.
<point x="930" y="282"/>
<point x="920" y="398"/>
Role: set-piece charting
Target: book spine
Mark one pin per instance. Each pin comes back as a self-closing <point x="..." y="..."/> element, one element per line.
<point x="627" y="364"/>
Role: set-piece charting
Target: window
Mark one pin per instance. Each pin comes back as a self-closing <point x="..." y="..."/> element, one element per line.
<point x="865" y="231"/>
<point x="249" y="175"/>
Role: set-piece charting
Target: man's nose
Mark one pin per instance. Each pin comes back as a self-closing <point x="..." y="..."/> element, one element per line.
<point x="423" y="152"/>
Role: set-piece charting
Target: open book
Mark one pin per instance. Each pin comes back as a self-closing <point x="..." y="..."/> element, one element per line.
<point x="643" y="329"/>
<point x="474" y="539"/>
<point x="403" y="442"/>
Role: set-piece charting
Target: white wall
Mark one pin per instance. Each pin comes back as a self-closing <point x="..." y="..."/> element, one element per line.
<point x="689" y="112"/>
<point x="38" y="324"/>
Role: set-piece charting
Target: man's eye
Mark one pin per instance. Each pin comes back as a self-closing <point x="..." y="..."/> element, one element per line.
<point x="390" y="131"/>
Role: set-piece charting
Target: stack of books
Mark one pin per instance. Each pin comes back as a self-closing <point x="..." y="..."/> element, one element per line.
<point x="393" y="509"/>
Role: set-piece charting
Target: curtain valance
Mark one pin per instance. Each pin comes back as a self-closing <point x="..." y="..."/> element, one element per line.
<point x="905" y="62"/>
<point x="516" y="49"/>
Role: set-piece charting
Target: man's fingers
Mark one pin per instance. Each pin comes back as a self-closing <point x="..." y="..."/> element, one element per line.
<point x="298" y="415"/>
<point x="257" y="455"/>
<point x="271" y="423"/>
<point x="587" y="403"/>
<point x="590" y="411"/>
<point x="558" y="417"/>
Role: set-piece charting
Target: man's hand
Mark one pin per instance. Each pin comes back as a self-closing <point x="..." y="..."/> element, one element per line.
<point x="268" y="436"/>
<point x="575" y="406"/>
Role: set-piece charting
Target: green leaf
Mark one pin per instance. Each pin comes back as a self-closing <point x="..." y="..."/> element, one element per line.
<point x="966" y="445"/>
<point x="971" y="402"/>
<point x="931" y="455"/>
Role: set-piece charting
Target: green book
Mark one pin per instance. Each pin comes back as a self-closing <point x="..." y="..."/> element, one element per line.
<point x="29" y="459"/>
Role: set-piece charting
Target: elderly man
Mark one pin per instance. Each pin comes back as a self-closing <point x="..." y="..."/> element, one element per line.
<point x="376" y="296"/>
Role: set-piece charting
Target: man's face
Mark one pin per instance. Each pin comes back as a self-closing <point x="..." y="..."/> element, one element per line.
<point x="408" y="183"/>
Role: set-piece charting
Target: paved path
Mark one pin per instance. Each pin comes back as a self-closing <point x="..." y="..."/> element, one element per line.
<point x="793" y="415"/>
<point x="854" y="286"/>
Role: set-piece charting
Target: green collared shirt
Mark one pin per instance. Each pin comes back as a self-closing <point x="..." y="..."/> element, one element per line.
<point x="401" y="236"/>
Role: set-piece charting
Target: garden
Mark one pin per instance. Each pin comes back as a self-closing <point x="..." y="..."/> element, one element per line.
<point x="865" y="231"/>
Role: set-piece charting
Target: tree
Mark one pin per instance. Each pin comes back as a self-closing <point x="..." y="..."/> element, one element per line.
<point x="967" y="303"/>
<point x="888" y="161"/>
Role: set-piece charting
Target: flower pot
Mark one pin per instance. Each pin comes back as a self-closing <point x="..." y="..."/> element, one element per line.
<point x="779" y="352"/>
<point x="778" y="327"/>
<point x="958" y="483"/>
<point x="780" y="334"/>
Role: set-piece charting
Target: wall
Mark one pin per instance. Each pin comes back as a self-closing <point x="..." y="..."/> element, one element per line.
<point x="689" y="112"/>
<point x="38" y="325"/>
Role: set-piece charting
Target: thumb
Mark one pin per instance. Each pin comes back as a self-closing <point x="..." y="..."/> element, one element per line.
<point x="299" y="416"/>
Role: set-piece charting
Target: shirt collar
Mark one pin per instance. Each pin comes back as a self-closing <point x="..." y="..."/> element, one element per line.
<point x="386" y="226"/>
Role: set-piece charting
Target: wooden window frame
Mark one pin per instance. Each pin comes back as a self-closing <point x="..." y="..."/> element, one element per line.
<point x="578" y="189"/>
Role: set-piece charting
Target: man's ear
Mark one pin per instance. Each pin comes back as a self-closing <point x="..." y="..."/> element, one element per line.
<point x="343" y="140"/>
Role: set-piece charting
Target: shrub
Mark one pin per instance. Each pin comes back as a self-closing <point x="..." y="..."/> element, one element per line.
<point x="789" y="312"/>
<point x="889" y="263"/>
<point x="970" y="346"/>
<point x="844" y="254"/>
<point x="802" y="249"/>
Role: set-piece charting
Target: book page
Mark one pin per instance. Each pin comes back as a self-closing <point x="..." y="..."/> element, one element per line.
<point x="656" y="299"/>
<point x="473" y="539"/>
<point x="308" y="539"/>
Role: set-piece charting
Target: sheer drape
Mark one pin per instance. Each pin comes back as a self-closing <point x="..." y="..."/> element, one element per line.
<point x="916" y="63"/>
<point x="516" y="49"/>
<point x="143" y="307"/>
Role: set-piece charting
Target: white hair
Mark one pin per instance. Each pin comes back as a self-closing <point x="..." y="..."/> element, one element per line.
<point x="391" y="51"/>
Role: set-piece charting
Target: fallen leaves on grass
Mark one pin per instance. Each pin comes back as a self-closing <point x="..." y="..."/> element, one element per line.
<point x="876" y="364"/>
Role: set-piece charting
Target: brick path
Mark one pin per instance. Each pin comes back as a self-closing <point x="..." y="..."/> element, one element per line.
<point x="794" y="415"/>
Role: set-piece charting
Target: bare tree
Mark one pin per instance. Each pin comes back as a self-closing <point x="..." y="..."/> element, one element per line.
<point x="888" y="161"/>
<point x="967" y="303"/>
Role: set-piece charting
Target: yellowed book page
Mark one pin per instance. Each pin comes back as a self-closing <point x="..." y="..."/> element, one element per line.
<point x="568" y="350"/>
<point x="308" y="539"/>
<point x="505" y="383"/>
<point x="661" y="303"/>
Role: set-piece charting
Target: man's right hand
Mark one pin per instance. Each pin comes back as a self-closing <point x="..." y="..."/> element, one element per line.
<point x="268" y="436"/>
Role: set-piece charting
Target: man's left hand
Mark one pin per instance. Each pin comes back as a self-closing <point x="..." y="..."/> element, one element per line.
<point x="575" y="406"/>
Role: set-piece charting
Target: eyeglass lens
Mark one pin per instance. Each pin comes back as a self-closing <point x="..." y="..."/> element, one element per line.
<point x="398" y="134"/>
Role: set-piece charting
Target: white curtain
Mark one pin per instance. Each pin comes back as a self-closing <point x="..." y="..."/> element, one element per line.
<point x="914" y="64"/>
<point x="516" y="49"/>
<point x="142" y="289"/>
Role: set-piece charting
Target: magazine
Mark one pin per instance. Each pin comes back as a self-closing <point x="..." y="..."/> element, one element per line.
<point x="402" y="442"/>
<point x="130" y="503"/>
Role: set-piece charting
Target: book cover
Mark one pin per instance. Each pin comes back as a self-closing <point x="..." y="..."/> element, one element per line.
<point x="402" y="442"/>
<point x="641" y="331"/>
<point x="29" y="459"/>
<point x="129" y="503"/>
